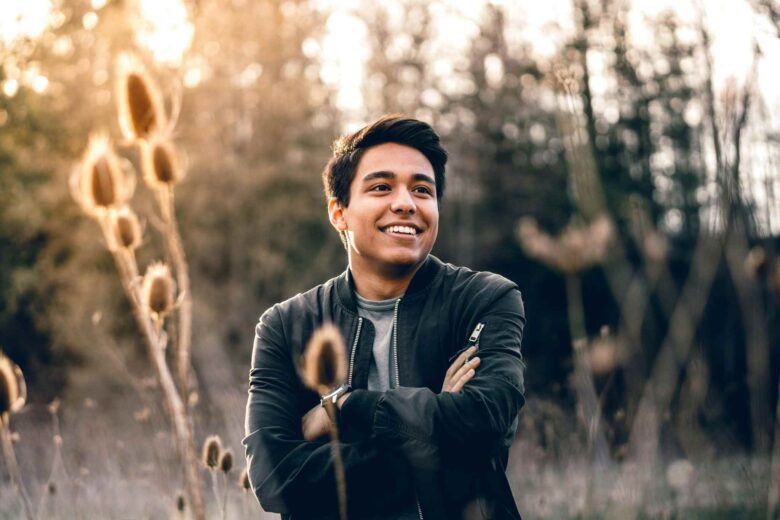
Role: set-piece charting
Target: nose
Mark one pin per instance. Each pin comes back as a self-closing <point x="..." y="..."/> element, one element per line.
<point x="403" y="202"/>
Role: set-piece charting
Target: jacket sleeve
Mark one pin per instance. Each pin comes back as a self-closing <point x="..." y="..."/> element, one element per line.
<point x="289" y="474"/>
<point x="469" y="425"/>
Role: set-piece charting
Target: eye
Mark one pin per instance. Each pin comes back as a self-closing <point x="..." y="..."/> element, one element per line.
<point x="423" y="189"/>
<point x="380" y="187"/>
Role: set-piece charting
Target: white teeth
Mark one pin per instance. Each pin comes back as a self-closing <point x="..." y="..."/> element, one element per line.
<point x="407" y="230"/>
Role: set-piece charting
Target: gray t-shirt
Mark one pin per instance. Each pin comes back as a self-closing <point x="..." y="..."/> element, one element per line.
<point x="380" y="313"/>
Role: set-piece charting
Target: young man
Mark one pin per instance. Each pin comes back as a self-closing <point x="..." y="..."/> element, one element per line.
<point x="435" y="369"/>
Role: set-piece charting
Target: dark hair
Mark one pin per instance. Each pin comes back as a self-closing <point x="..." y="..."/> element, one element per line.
<point x="347" y="151"/>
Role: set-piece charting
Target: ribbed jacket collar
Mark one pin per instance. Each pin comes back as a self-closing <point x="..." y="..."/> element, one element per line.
<point x="345" y="283"/>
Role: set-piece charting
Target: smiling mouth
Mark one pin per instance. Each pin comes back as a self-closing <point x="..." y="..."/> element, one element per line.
<point x="409" y="231"/>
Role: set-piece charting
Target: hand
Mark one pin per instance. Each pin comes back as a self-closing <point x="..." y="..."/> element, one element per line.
<point x="460" y="372"/>
<point x="315" y="423"/>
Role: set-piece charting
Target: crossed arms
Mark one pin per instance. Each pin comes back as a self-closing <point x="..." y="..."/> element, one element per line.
<point x="395" y="431"/>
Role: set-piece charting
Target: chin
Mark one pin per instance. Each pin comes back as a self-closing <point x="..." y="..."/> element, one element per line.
<point x="403" y="260"/>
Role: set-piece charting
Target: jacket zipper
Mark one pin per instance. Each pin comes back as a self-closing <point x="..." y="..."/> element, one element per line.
<point x="398" y="378"/>
<point x="354" y="349"/>
<point x="395" y="342"/>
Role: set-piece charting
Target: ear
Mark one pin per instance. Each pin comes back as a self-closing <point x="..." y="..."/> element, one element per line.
<point x="336" y="214"/>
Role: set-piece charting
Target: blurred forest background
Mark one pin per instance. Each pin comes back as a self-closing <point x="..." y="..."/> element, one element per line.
<point x="654" y="357"/>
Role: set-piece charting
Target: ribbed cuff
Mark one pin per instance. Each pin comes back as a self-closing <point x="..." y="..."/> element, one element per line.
<point x="357" y="414"/>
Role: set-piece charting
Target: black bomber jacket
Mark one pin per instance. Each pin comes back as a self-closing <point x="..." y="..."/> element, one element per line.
<point x="448" y="451"/>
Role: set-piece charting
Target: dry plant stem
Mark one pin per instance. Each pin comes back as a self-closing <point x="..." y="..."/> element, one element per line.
<point x="13" y="466"/>
<point x="338" y="464"/>
<point x="624" y="283"/>
<point x="659" y="389"/>
<point x="56" y="462"/>
<point x="774" y="477"/>
<point x="181" y="422"/>
<point x="756" y="337"/>
<point x="224" y="495"/>
<point x="173" y="400"/>
<point x="585" y="184"/>
<point x="214" y="484"/>
<point x="589" y="196"/>
<point x="173" y="239"/>
<point x="589" y="404"/>
<point x="738" y="218"/>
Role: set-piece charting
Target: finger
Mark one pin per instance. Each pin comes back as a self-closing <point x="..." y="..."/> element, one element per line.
<point x="469" y="365"/>
<point x="452" y="378"/>
<point x="465" y="378"/>
<point x="460" y="360"/>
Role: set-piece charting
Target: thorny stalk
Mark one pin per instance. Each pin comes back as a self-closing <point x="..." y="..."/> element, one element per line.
<point x="338" y="463"/>
<point x="57" y="459"/>
<point x="224" y="495"/>
<point x="214" y="484"/>
<point x="13" y="466"/>
<point x="324" y="368"/>
<point x="155" y="344"/>
<point x="178" y="258"/>
<point x="687" y="309"/>
<point x="586" y="391"/>
<point x="673" y="355"/>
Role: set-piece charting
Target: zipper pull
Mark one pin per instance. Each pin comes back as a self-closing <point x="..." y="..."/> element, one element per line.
<point x="475" y="334"/>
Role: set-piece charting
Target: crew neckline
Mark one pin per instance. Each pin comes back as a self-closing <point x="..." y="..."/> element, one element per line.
<point x="375" y="305"/>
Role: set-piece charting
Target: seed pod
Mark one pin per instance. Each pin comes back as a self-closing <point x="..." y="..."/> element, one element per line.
<point x="603" y="353"/>
<point x="158" y="289"/>
<point x="226" y="461"/>
<point x="99" y="183"/>
<point x="13" y="390"/>
<point x="141" y="113"/>
<point x="325" y="360"/>
<point x="161" y="164"/>
<point x="211" y="450"/>
<point x="243" y="480"/>
<point x="181" y="502"/>
<point x="125" y="229"/>
<point x="576" y="249"/>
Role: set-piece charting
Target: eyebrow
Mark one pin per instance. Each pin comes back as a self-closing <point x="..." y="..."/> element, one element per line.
<point x="383" y="174"/>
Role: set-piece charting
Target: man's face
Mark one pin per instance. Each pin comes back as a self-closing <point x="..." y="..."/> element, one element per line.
<point x="393" y="217"/>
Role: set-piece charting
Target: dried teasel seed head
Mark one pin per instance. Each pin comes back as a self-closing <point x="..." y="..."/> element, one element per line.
<point x="535" y="242"/>
<point x="243" y="480"/>
<point x="212" y="447"/>
<point x="13" y="390"/>
<point x="52" y="488"/>
<point x="158" y="289"/>
<point x="226" y="461"/>
<point x="161" y="164"/>
<point x="99" y="182"/>
<point x="325" y="360"/>
<point x="603" y="353"/>
<point x="125" y="229"/>
<point x="577" y="248"/>
<point x="181" y="502"/>
<point x="141" y="113"/>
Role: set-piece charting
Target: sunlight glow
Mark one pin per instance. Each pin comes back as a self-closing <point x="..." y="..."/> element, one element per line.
<point x="545" y="28"/>
<point x="164" y="28"/>
<point x="20" y="19"/>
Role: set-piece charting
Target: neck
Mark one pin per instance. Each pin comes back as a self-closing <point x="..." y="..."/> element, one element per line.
<point x="373" y="285"/>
